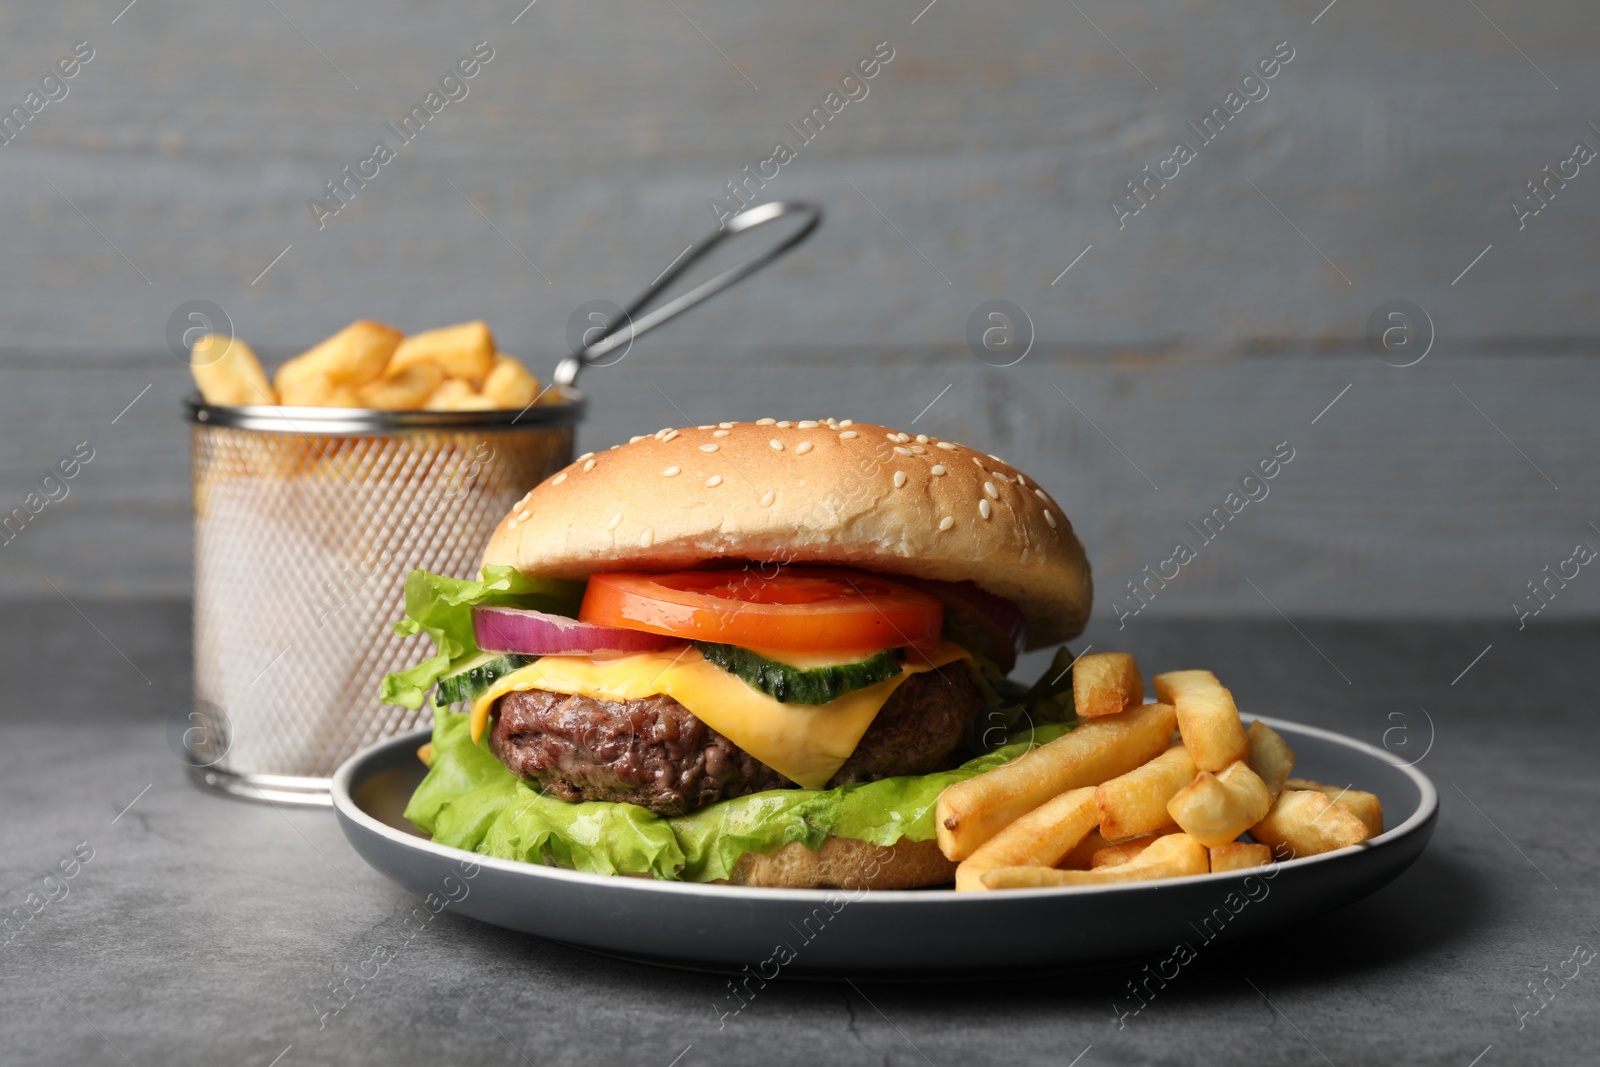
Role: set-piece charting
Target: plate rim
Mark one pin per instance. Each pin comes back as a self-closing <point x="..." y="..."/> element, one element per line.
<point x="346" y="807"/>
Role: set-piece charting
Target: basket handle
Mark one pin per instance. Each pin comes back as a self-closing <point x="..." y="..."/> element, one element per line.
<point x="623" y="329"/>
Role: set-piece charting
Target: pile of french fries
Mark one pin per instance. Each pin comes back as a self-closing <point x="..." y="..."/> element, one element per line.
<point x="370" y="365"/>
<point x="1141" y="791"/>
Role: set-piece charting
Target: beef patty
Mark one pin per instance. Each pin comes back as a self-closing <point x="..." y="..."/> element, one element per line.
<point x="655" y="753"/>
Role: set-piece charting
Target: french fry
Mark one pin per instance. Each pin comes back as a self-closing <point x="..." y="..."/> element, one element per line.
<point x="1207" y="717"/>
<point x="509" y="385"/>
<point x="227" y="372"/>
<point x="1122" y="851"/>
<point x="457" y="395"/>
<point x="463" y="351"/>
<point x="352" y="357"/>
<point x="1105" y="683"/>
<point x="1038" y="839"/>
<point x="1305" y="822"/>
<point x="1270" y="756"/>
<point x="970" y="812"/>
<point x="1364" y="806"/>
<point x="1169" y="856"/>
<point x="307" y="391"/>
<point x="405" y="389"/>
<point x="1136" y="803"/>
<point x="1215" y="809"/>
<point x="1083" y="852"/>
<point x="1239" y="856"/>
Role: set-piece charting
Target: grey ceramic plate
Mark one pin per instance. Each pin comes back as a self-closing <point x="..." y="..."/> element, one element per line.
<point x="923" y="932"/>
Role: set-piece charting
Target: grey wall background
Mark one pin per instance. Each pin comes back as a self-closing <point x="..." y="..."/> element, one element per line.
<point x="1222" y="320"/>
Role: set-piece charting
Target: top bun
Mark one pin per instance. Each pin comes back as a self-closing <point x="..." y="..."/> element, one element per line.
<point x="824" y="491"/>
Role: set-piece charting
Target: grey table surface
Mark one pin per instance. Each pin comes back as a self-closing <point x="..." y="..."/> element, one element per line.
<point x="206" y="930"/>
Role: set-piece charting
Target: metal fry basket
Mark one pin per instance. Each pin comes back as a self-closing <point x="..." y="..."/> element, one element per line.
<point x="306" y="521"/>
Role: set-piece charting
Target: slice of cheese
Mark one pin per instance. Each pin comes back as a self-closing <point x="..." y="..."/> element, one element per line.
<point x="804" y="742"/>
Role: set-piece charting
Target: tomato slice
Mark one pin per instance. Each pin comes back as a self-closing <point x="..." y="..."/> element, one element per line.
<point x="784" y="609"/>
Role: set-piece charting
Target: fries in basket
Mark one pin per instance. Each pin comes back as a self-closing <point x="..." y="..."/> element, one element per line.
<point x="370" y="365"/>
<point x="1119" y="798"/>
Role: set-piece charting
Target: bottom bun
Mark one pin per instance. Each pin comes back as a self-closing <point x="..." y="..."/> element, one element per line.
<point x="845" y="863"/>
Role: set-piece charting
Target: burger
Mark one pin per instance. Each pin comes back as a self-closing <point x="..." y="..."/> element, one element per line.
<point x="745" y="652"/>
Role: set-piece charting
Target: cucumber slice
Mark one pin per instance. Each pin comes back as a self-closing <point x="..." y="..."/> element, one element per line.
<point x="789" y="684"/>
<point x="476" y="675"/>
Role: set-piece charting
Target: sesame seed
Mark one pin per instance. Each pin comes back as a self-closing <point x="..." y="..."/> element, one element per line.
<point x="616" y="520"/>
<point x="765" y="422"/>
<point x="775" y="443"/>
<point x="892" y="436"/>
<point x="802" y="448"/>
<point x="671" y="472"/>
<point x="848" y="435"/>
<point x="1040" y="494"/>
<point x="669" y="436"/>
<point x="647" y="537"/>
<point x="784" y="425"/>
<point x="946" y="445"/>
<point x="1022" y="481"/>
<point x="586" y="455"/>
<point x="946" y="522"/>
<point x="588" y="465"/>
<point x="558" y="479"/>
<point x="938" y="468"/>
<point x="847" y="422"/>
<point x="918" y="450"/>
<point x="996" y="458"/>
<point x="709" y="446"/>
<point x="901" y="450"/>
<point x="1001" y="478"/>
<point x="636" y="439"/>
<point x="1051" y="519"/>
<point x="990" y="491"/>
<point x="902" y="437"/>
<point x="899" y="479"/>
<point x="985" y="509"/>
<point x="725" y="425"/>
<point x="512" y="525"/>
<point x="767" y="498"/>
<point x="719" y="433"/>
<point x="713" y="481"/>
<point x="707" y="426"/>
<point x="922" y="438"/>
<point x="807" y="424"/>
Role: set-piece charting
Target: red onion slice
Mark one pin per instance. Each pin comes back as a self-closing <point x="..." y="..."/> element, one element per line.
<point x="974" y="615"/>
<point x="536" y="633"/>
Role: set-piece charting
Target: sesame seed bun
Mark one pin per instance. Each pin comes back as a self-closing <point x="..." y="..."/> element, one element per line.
<point x="807" y="492"/>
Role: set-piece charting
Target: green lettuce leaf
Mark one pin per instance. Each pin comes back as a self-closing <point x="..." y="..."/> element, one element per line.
<point x="470" y="801"/>
<point x="1010" y="707"/>
<point x="1050" y="698"/>
<point x="442" y="608"/>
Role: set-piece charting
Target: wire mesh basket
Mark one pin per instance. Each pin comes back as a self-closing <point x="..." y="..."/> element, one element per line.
<point x="306" y="521"/>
